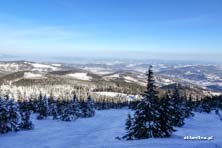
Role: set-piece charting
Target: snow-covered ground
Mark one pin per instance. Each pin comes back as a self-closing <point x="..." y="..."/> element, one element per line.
<point x="101" y="130"/>
<point x="113" y="76"/>
<point x="30" y="75"/>
<point x="9" y="66"/>
<point x="80" y="76"/>
<point x="40" y="66"/>
<point x="130" y="79"/>
<point x="99" y="70"/>
<point x="57" y="65"/>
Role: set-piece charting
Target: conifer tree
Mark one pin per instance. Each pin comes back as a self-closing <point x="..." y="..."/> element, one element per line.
<point x="146" y="114"/>
<point x="87" y="108"/>
<point x="66" y="112"/>
<point x="4" y="128"/>
<point x="90" y="106"/>
<point x="166" y="116"/>
<point x="128" y="125"/>
<point x="188" y="107"/>
<point x="76" y="106"/>
<point x="206" y="105"/>
<point x="128" y="122"/>
<point x="147" y="122"/>
<point x="54" y="110"/>
<point x="179" y="108"/>
<point x="43" y="107"/>
<point x="83" y="108"/>
<point x="13" y="114"/>
<point x="26" y="123"/>
<point x="9" y="115"/>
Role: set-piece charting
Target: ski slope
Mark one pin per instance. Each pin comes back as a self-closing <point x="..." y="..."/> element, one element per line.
<point x="101" y="130"/>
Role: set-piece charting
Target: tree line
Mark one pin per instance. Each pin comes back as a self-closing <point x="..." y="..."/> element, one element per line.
<point x="16" y="115"/>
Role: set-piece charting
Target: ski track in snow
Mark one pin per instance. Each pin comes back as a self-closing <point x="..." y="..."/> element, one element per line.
<point x="101" y="130"/>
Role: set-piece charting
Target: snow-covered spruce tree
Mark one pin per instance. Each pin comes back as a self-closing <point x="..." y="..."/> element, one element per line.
<point x="4" y="127"/>
<point x="133" y="104"/>
<point x="68" y="113"/>
<point x="190" y="102"/>
<point x="87" y="108"/>
<point x="146" y="114"/>
<point x="196" y="104"/>
<point x="54" y="110"/>
<point x="35" y="104"/>
<point x="129" y="122"/>
<point x="91" y="107"/>
<point x="42" y="107"/>
<point x="146" y="121"/>
<point x="83" y="108"/>
<point x="166" y="117"/>
<point x="9" y="115"/>
<point x="75" y="106"/>
<point x="206" y="105"/>
<point x="26" y="123"/>
<point x="51" y="105"/>
<point x="188" y="107"/>
<point x="60" y="106"/>
<point x="65" y="112"/>
<point x="180" y="108"/>
<point x="13" y="114"/>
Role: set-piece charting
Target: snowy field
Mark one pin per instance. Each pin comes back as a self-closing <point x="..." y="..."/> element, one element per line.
<point x="80" y="76"/>
<point x="101" y="130"/>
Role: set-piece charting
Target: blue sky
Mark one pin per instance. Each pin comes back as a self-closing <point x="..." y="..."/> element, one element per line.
<point x="164" y="29"/>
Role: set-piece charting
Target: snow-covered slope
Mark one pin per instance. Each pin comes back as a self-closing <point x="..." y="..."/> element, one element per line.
<point x="101" y="130"/>
<point x="30" y="75"/>
<point x="79" y="76"/>
<point x="205" y="76"/>
<point x="112" y="76"/>
<point x="43" y="67"/>
<point x="130" y="79"/>
<point x="14" y="66"/>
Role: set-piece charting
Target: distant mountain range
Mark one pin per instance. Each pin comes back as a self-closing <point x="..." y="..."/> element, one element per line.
<point x="203" y="77"/>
